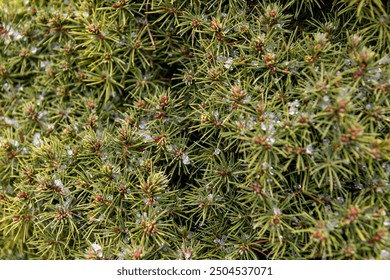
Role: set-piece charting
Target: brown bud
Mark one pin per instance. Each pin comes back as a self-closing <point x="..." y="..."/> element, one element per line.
<point x="137" y="255"/>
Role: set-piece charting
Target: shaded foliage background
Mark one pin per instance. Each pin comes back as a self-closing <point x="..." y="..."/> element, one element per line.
<point x="194" y="129"/>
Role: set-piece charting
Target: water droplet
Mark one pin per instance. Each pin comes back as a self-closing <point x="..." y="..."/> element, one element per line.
<point x="326" y="142"/>
<point x="186" y="159"/>
<point x="96" y="247"/>
<point x="44" y="63"/>
<point x="143" y="125"/>
<point x="228" y="63"/>
<point x="359" y="186"/>
<point x="276" y="211"/>
<point x="37" y="139"/>
<point x="247" y="99"/>
<point x="146" y="137"/>
<point x="187" y="254"/>
<point x="331" y="224"/>
<point x="309" y="149"/>
<point x="14" y="143"/>
<point x="385" y="254"/>
<point x="292" y="111"/>
<point x="326" y="98"/>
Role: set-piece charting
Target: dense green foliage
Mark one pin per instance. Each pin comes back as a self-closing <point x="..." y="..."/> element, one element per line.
<point x="194" y="129"/>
